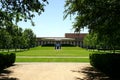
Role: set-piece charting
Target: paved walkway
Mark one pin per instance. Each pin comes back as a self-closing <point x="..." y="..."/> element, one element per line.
<point x="47" y="71"/>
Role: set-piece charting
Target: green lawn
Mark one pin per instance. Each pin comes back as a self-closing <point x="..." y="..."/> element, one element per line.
<point x="50" y="51"/>
<point x="49" y="54"/>
<point x="52" y="60"/>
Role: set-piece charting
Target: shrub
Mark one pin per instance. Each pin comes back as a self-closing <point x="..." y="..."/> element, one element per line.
<point x="68" y="45"/>
<point x="2" y="62"/>
<point x="48" y="45"/>
<point x="106" y="63"/>
<point x="11" y="59"/>
<point x="7" y="60"/>
<point x="52" y="45"/>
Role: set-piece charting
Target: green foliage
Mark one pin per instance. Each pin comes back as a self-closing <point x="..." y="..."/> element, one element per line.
<point x="7" y="60"/>
<point x="18" y="10"/>
<point x="11" y="59"/>
<point x="11" y="12"/>
<point x="63" y="45"/>
<point x="5" y="39"/>
<point x="90" y="40"/>
<point x="67" y="45"/>
<point x="107" y="63"/>
<point x="29" y="38"/>
<point x="100" y="16"/>
<point x="13" y="37"/>
<point x="48" y="45"/>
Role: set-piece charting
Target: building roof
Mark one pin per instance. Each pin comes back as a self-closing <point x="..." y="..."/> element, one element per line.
<point x="68" y="36"/>
<point x="75" y="35"/>
<point x="55" y="38"/>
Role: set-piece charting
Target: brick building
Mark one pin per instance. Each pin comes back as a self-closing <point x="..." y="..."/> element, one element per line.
<point x="69" y="39"/>
<point x="76" y="36"/>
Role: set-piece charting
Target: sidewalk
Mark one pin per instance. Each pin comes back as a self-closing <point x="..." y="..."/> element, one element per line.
<point x="47" y="71"/>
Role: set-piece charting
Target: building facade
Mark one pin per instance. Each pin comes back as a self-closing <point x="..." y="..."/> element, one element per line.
<point x="74" y="39"/>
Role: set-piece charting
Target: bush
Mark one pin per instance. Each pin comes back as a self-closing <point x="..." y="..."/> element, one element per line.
<point x="2" y="62"/>
<point x="7" y="60"/>
<point x="52" y="45"/>
<point x="106" y="63"/>
<point x="11" y="59"/>
<point x="68" y="45"/>
<point x="48" y="45"/>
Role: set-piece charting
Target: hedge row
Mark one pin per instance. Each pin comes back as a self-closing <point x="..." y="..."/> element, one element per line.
<point x="7" y="60"/>
<point x="63" y="45"/>
<point x="107" y="63"/>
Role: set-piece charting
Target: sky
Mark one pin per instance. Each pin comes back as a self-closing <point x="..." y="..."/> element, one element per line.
<point x="51" y="23"/>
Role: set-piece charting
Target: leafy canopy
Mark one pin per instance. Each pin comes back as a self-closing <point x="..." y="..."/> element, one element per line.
<point x="94" y="13"/>
<point x="100" y="16"/>
<point x="17" y="10"/>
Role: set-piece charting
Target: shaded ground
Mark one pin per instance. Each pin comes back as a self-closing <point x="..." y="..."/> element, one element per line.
<point x="52" y="71"/>
<point x="4" y="75"/>
<point x="91" y="74"/>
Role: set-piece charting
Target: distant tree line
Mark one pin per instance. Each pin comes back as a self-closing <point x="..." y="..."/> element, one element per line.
<point x="14" y="37"/>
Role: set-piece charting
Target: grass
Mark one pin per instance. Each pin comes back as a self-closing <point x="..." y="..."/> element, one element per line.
<point x="52" y="60"/>
<point x="50" y="51"/>
<point x="49" y="54"/>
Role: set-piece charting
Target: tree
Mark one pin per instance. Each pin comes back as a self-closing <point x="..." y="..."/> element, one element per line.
<point x="90" y="41"/>
<point x="5" y="39"/>
<point x="100" y="16"/>
<point x="17" y="10"/>
<point x="13" y="11"/>
<point x="29" y="38"/>
<point x="19" y="39"/>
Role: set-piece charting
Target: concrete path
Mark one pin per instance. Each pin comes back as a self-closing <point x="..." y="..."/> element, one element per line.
<point x="47" y="71"/>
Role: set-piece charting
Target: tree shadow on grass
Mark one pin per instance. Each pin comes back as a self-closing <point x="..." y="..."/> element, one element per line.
<point x="4" y="75"/>
<point x="91" y="74"/>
